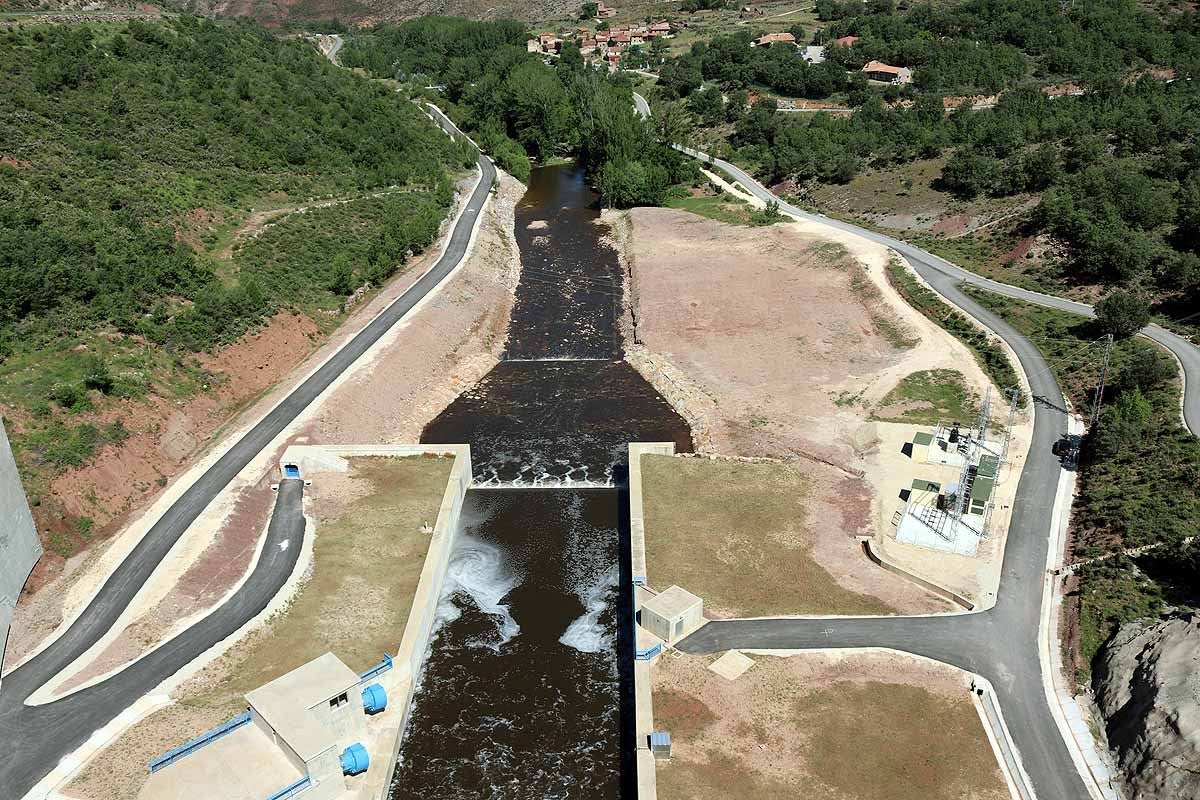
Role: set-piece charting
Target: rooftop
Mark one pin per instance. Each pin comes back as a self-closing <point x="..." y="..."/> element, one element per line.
<point x="671" y="603"/>
<point x="285" y="702"/>
<point x="879" y="66"/>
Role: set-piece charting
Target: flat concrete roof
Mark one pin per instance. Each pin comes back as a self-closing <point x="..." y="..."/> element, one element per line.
<point x="671" y="603"/>
<point x="285" y="702"/>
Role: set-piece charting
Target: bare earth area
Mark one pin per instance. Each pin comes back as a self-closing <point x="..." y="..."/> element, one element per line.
<point x="417" y="370"/>
<point x="368" y="551"/>
<point x="763" y="539"/>
<point x="769" y="337"/>
<point x="778" y="342"/>
<point x="878" y="726"/>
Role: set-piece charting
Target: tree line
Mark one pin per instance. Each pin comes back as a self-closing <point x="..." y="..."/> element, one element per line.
<point x="521" y="108"/>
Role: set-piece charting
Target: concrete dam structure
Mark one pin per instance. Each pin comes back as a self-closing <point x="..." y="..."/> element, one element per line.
<point x="20" y="547"/>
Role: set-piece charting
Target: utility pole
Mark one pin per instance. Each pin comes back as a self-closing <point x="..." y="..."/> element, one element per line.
<point x="1108" y="343"/>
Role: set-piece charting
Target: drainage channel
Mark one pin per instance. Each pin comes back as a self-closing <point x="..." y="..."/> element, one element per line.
<point x="527" y="690"/>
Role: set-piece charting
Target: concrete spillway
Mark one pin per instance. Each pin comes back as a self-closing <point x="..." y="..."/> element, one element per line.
<point x="525" y="693"/>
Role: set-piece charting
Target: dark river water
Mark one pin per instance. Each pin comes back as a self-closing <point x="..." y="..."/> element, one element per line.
<point x="527" y="692"/>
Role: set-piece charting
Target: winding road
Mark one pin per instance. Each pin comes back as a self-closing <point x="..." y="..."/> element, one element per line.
<point x="1001" y="643"/>
<point x="34" y="738"/>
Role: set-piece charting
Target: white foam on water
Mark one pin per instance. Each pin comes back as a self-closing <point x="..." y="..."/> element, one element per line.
<point x="477" y="569"/>
<point x="587" y="634"/>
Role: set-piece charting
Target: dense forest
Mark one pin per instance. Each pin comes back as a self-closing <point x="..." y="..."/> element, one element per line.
<point x="519" y="108"/>
<point x="111" y="139"/>
<point x="130" y="153"/>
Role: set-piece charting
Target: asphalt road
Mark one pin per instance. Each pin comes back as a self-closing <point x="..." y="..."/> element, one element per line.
<point x="33" y="739"/>
<point x="1186" y="352"/>
<point x="1001" y="643"/>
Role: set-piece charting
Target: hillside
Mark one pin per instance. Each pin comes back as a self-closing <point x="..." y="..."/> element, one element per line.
<point x="165" y="252"/>
<point x="276" y="13"/>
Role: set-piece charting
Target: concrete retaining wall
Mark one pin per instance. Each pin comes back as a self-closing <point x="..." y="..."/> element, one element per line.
<point x="929" y="586"/>
<point x="400" y="681"/>
<point x="647" y="786"/>
<point x="20" y="547"/>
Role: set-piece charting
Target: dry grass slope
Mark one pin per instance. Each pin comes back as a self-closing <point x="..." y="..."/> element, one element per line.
<point x="739" y="535"/>
<point x="877" y="728"/>
<point x="367" y="559"/>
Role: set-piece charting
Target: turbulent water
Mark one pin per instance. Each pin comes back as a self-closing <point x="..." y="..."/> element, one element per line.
<point x="526" y="692"/>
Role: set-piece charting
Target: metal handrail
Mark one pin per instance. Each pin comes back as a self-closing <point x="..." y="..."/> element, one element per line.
<point x="189" y="747"/>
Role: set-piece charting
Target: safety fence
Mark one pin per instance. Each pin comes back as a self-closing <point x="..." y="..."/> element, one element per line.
<point x="204" y="739"/>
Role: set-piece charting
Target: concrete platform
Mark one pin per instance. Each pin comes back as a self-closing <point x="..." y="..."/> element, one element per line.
<point x="245" y="764"/>
<point x="732" y="665"/>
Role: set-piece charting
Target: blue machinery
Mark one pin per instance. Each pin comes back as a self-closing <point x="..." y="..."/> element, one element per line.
<point x="355" y="759"/>
<point x="293" y="789"/>
<point x="377" y="670"/>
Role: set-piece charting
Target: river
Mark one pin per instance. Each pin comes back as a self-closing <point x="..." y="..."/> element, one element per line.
<point x="527" y="689"/>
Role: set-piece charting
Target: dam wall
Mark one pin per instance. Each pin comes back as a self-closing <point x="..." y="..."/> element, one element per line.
<point x="20" y="547"/>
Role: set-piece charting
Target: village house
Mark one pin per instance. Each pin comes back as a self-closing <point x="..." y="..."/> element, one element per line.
<point x="771" y="38"/>
<point x="886" y="73"/>
<point x="845" y="41"/>
<point x="662" y="28"/>
<point x="604" y="11"/>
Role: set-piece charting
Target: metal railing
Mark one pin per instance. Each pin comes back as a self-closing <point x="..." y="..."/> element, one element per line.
<point x="204" y="739"/>
<point x="294" y="789"/>
<point x="377" y="670"/>
<point x="647" y="655"/>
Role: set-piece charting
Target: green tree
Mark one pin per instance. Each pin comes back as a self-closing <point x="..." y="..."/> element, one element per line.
<point x="589" y="11"/>
<point x="1122" y="313"/>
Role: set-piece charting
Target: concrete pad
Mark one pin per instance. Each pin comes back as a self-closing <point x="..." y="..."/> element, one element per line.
<point x="732" y="665"/>
<point x="243" y="765"/>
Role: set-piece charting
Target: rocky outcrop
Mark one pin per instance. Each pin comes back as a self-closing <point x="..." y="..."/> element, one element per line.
<point x="1148" y="687"/>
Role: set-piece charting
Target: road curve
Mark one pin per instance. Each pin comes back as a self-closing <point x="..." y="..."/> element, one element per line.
<point x="33" y="739"/>
<point x="1185" y="351"/>
<point x="1001" y="643"/>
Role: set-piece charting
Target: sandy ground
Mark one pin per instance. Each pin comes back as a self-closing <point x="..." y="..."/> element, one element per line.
<point x="756" y="539"/>
<point x="779" y="342"/>
<point x="861" y="726"/>
<point x="454" y="339"/>
<point x="364" y="567"/>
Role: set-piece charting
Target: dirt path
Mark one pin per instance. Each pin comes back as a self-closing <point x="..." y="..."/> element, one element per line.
<point x="258" y="221"/>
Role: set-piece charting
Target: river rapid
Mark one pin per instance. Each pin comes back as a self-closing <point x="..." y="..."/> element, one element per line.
<point x="527" y="690"/>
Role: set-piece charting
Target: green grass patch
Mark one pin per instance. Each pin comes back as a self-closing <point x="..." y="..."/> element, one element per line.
<point x="926" y="397"/>
<point x="987" y="351"/>
<point x="723" y="207"/>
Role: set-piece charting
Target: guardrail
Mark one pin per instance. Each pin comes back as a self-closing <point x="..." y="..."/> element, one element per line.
<point x="204" y="739"/>
<point x="294" y="789"/>
<point x="377" y="670"/>
<point x="647" y="655"/>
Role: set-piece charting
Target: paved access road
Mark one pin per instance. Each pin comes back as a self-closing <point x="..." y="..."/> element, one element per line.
<point x="924" y="262"/>
<point x="1185" y="351"/>
<point x="34" y="738"/>
<point x="1002" y="643"/>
